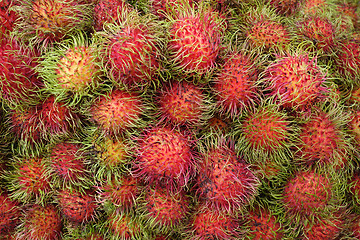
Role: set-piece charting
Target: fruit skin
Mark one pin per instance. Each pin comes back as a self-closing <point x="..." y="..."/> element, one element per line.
<point x="9" y="214"/>
<point x="319" y="31"/>
<point x="263" y="224"/>
<point x="295" y="80"/>
<point x="265" y="132"/>
<point x="194" y="41"/>
<point x="348" y="60"/>
<point x="40" y="223"/>
<point x="68" y="162"/>
<point x="225" y="182"/>
<point x="8" y="17"/>
<point x="30" y="179"/>
<point x="324" y="229"/>
<point x="308" y="194"/>
<point x="106" y="11"/>
<point x="18" y="80"/>
<point x="182" y="103"/>
<point x="234" y="87"/>
<point x="208" y="223"/>
<point x="42" y="22"/>
<point x="76" y="206"/>
<point x="164" y="210"/>
<point x="285" y="7"/>
<point x="130" y="50"/>
<point x="117" y="111"/>
<point x="164" y="157"/>
<point x="323" y="140"/>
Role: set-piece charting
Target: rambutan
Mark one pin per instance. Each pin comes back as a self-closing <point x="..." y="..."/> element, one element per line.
<point x="117" y="111"/>
<point x="324" y="228"/>
<point x="8" y="17"/>
<point x="131" y="50"/>
<point x="76" y="206"/>
<point x="225" y="182"/>
<point x="30" y="179"/>
<point x="322" y="139"/>
<point x="319" y="31"/>
<point x="208" y="223"/>
<point x="40" y="223"/>
<point x="308" y="194"/>
<point x="182" y="103"/>
<point x="122" y="192"/>
<point x="296" y="80"/>
<point x="164" y="210"/>
<point x="106" y="11"/>
<point x="195" y="37"/>
<point x="71" y="68"/>
<point x="9" y="214"/>
<point x="45" y="21"/>
<point x="18" y="80"/>
<point x="265" y="131"/>
<point x="164" y="156"/>
<point x="234" y="87"/>
<point x="68" y="161"/>
<point x="263" y="224"/>
<point x="348" y="60"/>
<point x="285" y="7"/>
<point x="313" y="7"/>
<point x="161" y="8"/>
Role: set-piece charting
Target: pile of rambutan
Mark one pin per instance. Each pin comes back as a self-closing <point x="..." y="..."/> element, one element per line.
<point x="179" y="119"/>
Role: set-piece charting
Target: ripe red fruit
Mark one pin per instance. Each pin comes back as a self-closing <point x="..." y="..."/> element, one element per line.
<point x="117" y="111"/>
<point x="208" y="223"/>
<point x="109" y="11"/>
<point x="76" y="206"/>
<point x="124" y="226"/>
<point x="348" y="59"/>
<point x="296" y="80"/>
<point x="307" y="193"/>
<point x="8" y="16"/>
<point x="9" y="214"/>
<point x="324" y="228"/>
<point x="165" y="210"/>
<point x="320" y="31"/>
<point x="68" y="161"/>
<point x="182" y="103"/>
<point x="285" y="7"/>
<point x="163" y="7"/>
<point x="41" y="223"/>
<point x="195" y="40"/>
<point x="234" y="86"/>
<point x="164" y="157"/>
<point x="224" y="181"/>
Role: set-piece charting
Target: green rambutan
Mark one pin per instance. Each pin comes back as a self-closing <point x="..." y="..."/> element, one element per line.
<point x="164" y="157"/>
<point x="182" y="103"/>
<point x="195" y="37"/>
<point x="225" y="182"/>
<point x="40" y="223"/>
<point x="234" y="87"/>
<point x="295" y="80"/>
<point x="71" y="68"/>
<point x="45" y="21"/>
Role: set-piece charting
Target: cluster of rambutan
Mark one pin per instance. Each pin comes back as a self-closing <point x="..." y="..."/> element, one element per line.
<point x="179" y="119"/>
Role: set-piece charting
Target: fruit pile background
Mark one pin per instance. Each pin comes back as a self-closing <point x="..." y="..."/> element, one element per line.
<point x="179" y="119"/>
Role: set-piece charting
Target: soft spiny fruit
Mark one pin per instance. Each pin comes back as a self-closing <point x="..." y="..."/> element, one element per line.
<point x="182" y="103"/>
<point x="324" y="228"/>
<point x="195" y="39"/>
<point x="76" y="206"/>
<point x="41" y="223"/>
<point x="296" y="80"/>
<point x="9" y="214"/>
<point x="285" y="7"/>
<point x="234" y="86"/>
<point x="124" y="226"/>
<point x="348" y="60"/>
<point x="225" y="181"/>
<point x="117" y="111"/>
<point x="8" y="16"/>
<point x="165" y="156"/>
